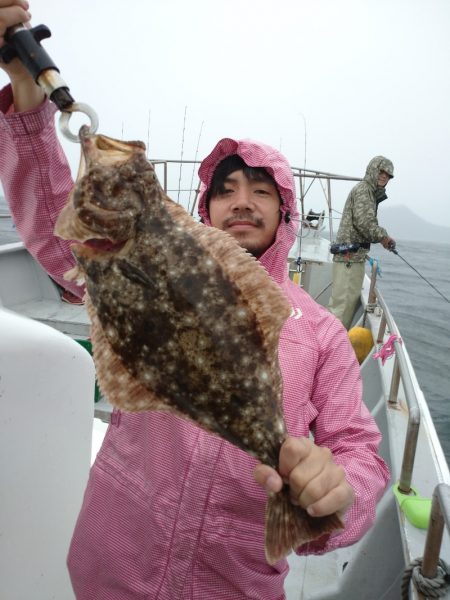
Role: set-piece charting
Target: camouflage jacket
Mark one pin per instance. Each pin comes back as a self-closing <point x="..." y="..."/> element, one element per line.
<point x="359" y="221"/>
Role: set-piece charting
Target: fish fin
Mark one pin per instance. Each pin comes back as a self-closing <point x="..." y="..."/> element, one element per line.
<point x="264" y="296"/>
<point x="75" y="274"/>
<point x="116" y="383"/>
<point x="134" y="273"/>
<point x="289" y="526"/>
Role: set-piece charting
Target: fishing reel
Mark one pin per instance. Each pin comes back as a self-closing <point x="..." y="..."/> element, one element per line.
<point x="25" y="44"/>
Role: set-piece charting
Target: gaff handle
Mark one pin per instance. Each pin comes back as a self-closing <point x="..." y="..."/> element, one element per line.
<point x="24" y="44"/>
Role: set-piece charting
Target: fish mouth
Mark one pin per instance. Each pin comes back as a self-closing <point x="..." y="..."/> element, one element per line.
<point x="101" y="245"/>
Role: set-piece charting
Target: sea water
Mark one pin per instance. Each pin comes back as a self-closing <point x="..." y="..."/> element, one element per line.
<point x="423" y="318"/>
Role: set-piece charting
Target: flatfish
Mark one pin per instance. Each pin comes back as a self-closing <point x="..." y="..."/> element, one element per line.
<point x="182" y="318"/>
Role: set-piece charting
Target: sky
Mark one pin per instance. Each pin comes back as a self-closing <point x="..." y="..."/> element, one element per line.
<point x="330" y="83"/>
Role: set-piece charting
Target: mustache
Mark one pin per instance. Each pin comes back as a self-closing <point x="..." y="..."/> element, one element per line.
<point x="243" y="216"/>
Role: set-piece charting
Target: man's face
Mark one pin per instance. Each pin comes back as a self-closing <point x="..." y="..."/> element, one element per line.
<point x="248" y="210"/>
<point x="383" y="178"/>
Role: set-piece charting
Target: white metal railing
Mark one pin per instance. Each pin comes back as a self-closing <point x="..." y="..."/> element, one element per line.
<point x="440" y="516"/>
<point x="431" y="574"/>
<point x="440" y="508"/>
<point x="401" y="373"/>
<point x="305" y="178"/>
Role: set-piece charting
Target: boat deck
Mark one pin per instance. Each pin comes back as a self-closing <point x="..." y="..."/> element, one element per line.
<point x="393" y="542"/>
<point x="34" y="295"/>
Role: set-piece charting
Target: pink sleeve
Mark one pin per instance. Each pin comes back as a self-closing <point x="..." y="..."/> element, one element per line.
<point x="346" y="427"/>
<point x="37" y="180"/>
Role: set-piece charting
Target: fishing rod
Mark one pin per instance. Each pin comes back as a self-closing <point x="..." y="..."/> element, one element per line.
<point x="25" y="44"/>
<point x="182" y="150"/>
<point x="191" y="210"/>
<point x="419" y="274"/>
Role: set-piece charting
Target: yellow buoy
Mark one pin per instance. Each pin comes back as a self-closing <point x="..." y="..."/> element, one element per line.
<point x="296" y="277"/>
<point x="362" y="341"/>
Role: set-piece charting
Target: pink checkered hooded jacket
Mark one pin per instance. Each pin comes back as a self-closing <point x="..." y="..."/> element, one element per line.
<point x="171" y="512"/>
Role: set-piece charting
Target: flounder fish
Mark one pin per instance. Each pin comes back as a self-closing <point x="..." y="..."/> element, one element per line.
<point x="182" y="318"/>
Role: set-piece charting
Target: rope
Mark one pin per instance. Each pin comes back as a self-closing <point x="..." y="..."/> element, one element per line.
<point x="430" y="588"/>
<point x="371" y="262"/>
<point x="388" y="349"/>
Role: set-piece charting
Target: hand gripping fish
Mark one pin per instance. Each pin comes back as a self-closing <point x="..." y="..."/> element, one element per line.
<point x="183" y="318"/>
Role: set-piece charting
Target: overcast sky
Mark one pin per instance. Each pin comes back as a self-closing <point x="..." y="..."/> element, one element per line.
<point x="345" y="79"/>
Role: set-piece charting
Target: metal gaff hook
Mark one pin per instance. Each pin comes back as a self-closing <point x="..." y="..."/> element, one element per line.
<point x="67" y="113"/>
<point x="25" y="44"/>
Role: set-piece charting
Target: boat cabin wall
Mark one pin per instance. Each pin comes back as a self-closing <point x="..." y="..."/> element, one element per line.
<point x="46" y="416"/>
<point x="315" y="279"/>
<point x="22" y="279"/>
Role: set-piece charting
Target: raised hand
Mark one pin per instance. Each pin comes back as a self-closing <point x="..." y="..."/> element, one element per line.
<point x="27" y="94"/>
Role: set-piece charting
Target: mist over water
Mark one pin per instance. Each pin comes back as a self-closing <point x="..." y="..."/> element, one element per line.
<point x="423" y="318"/>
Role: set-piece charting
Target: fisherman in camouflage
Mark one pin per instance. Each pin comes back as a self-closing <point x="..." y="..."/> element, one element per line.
<point x="359" y="228"/>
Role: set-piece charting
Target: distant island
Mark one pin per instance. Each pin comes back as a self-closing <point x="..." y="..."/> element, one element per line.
<point x="403" y="224"/>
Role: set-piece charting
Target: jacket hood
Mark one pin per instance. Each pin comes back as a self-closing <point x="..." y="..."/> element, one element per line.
<point x="256" y="154"/>
<point x="377" y="164"/>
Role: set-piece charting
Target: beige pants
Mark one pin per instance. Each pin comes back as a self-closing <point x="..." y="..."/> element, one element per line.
<point x="346" y="290"/>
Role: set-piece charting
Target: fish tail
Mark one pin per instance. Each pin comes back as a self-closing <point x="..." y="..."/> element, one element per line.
<point x="289" y="526"/>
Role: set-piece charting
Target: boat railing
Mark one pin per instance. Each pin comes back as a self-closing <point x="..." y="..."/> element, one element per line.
<point x="430" y="564"/>
<point x="440" y="516"/>
<point x="431" y="574"/>
<point x="178" y="176"/>
<point x="307" y="177"/>
<point x="176" y="183"/>
<point x="402" y="373"/>
<point x="179" y="179"/>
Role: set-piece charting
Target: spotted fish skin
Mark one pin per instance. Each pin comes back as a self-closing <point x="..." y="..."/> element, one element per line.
<point x="179" y="326"/>
<point x="183" y="319"/>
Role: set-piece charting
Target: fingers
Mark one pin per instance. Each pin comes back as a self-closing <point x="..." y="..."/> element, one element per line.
<point x="338" y="499"/>
<point x="12" y="13"/>
<point x="23" y="3"/>
<point x="388" y="242"/>
<point x="392" y="243"/>
<point x="293" y="451"/>
<point x="268" y="478"/>
<point x="316" y="483"/>
<point x="5" y="4"/>
<point x="311" y="471"/>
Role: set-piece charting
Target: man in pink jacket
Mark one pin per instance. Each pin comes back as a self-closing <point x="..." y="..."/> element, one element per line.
<point x="170" y="511"/>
